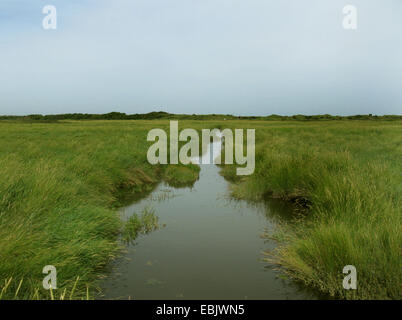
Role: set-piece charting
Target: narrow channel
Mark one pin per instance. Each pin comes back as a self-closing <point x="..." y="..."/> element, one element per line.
<point x="209" y="248"/>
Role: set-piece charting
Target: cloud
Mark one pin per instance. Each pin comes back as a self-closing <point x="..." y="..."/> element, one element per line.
<point x="192" y="56"/>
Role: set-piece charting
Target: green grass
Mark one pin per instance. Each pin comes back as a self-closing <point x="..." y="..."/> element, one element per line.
<point x="62" y="182"/>
<point x="349" y="175"/>
<point x="11" y="290"/>
<point x="180" y="176"/>
<point x="137" y="224"/>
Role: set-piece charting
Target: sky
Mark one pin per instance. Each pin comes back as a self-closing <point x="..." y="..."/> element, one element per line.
<point x="241" y="57"/>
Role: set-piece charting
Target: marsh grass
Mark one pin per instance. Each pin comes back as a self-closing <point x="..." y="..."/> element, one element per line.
<point x="137" y="224"/>
<point x="61" y="183"/>
<point x="11" y="290"/>
<point x="180" y="176"/>
<point x="348" y="176"/>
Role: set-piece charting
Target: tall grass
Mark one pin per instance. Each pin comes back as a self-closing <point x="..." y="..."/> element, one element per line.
<point x="349" y="174"/>
<point x="9" y="291"/>
<point x="137" y="224"/>
<point x="180" y="175"/>
<point x="60" y="184"/>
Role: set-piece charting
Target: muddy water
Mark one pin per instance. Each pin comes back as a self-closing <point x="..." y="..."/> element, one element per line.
<point x="209" y="248"/>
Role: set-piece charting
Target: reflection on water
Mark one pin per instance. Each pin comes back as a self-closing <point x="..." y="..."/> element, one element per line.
<point x="210" y="248"/>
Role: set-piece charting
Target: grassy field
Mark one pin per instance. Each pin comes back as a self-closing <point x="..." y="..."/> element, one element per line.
<point x="345" y="179"/>
<point x="62" y="182"/>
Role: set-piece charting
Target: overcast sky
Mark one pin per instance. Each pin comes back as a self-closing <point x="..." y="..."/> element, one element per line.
<point x="243" y="57"/>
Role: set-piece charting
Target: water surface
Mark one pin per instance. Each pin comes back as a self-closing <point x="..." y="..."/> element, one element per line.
<point x="209" y="248"/>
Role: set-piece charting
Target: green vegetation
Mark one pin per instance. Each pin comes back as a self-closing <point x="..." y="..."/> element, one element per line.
<point x="346" y="179"/>
<point x="136" y="224"/>
<point x="180" y="175"/>
<point x="9" y="291"/>
<point x="160" y="115"/>
<point x="62" y="182"/>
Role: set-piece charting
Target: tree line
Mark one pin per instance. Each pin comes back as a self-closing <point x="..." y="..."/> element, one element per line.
<point x="164" y="115"/>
